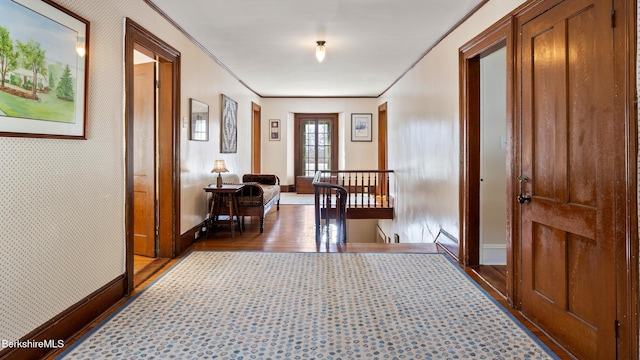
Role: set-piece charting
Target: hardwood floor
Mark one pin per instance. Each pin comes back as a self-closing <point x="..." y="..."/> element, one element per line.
<point x="144" y="267"/>
<point x="140" y="262"/>
<point x="495" y="275"/>
<point x="292" y="230"/>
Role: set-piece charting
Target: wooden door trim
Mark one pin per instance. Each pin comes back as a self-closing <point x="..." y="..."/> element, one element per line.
<point x="382" y="137"/>
<point x="256" y="151"/>
<point x="497" y="36"/>
<point x="168" y="159"/>
<point x="627" y="178"/>
<point x="382" y="147"/>
<point x="169" y="169"/>
<point x="298" y="117"/>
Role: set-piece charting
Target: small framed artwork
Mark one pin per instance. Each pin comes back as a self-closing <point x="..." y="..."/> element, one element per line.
<point x="44" y="83"/>
<point x="274" y="129"/>
<point x="199" y="120"/>
<point x="229" y="126"/>
<point x="361" y="127"/>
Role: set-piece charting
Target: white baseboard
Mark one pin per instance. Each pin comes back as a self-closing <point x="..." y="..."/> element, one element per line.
<point x="493" y="254"/>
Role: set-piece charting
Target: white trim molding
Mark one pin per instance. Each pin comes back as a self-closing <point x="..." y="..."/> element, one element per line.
<point x="493" y="254"/>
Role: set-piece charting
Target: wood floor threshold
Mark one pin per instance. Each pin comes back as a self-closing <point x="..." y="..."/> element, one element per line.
<point x="494" y="276"/>
<point x="149" y="270"/>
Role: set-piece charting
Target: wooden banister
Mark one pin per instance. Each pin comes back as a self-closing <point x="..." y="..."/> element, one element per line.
<point x="342" y="194"/>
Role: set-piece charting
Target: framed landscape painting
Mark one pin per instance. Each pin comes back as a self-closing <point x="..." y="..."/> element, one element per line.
<point x="43" y="85"/>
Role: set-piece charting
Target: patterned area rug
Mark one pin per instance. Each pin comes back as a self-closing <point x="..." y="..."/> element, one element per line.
<point x="254" y="305"/>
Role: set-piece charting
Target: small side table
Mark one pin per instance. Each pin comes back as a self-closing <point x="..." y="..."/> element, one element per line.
<point x="216" y="202"/>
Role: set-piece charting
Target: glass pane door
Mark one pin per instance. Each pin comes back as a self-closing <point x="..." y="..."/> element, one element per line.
<point x="324" y="145"/>
<point x="316" y="146"/>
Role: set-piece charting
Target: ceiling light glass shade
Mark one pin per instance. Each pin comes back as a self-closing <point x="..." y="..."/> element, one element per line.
<point x="320" y="51"/>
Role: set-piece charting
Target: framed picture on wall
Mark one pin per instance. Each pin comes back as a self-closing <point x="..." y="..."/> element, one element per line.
<point x="44" y="83"/>
<point x="361" y="127"/>
<point x="199" y="120"/>
<point x="274" y="129"/>
<point x="229" y="126"/>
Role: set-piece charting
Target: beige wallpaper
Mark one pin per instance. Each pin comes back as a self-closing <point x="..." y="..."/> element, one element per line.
<point x="62" y="232"/>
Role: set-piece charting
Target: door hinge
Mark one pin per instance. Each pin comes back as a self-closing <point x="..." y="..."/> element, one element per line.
<point x="157" y="84"/>
<point x="617" y="326"/>
<point x="613" y="19"/>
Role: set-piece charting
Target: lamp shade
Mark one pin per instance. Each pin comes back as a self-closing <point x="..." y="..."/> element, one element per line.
<point x="219" y="167"/>
<point x="321" y="51"/>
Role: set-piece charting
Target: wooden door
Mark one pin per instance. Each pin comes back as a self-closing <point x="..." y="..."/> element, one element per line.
<point x="316" y="147"/>
<point x="382" y="149"/>
<point x="256" y="150"/>
<point x="567" y="169"/>
<point x="144" y="219"/>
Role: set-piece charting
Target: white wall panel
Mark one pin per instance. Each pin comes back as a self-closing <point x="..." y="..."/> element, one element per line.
<point x="424" y="132"/>
<point x="278" y="156"/>
<point x="493" y="155"/>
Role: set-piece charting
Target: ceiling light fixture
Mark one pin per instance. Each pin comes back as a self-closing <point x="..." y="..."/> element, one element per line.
<point x="321" y="51"/>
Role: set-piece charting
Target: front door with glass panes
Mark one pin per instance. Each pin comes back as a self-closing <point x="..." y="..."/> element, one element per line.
<point x="316" y="146"/>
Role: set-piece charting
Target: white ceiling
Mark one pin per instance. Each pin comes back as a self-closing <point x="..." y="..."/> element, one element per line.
<point x="269" y="45"/>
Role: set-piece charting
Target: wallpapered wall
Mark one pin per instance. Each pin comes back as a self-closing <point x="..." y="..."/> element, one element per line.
<point x="62" y="231"/>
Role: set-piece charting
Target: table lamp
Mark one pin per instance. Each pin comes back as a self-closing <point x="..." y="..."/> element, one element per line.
<point x="219" y="166"/>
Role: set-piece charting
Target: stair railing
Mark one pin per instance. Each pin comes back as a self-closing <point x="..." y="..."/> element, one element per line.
<point x="339" y="192"/>
<point x="330" y="209"/>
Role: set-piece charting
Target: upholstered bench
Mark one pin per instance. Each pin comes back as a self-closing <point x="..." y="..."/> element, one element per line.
<point x="257" y="197"/>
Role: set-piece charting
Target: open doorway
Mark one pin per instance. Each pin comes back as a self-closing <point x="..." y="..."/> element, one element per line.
<point x="486" y="150"/>
<point x="382" y="146"/>
<point x="568" y="177"/>
<point x="492" y="232"/>
<point x="152" y="153"/>
<point x="256" y="151"/>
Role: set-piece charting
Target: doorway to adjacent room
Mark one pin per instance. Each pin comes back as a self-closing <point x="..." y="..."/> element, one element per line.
<point x="152" y="154"/>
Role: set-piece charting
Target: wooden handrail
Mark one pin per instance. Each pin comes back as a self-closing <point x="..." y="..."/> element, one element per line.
<point x="327" y="209"/>
<point x="337" y="191"/>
